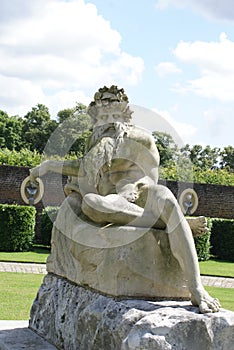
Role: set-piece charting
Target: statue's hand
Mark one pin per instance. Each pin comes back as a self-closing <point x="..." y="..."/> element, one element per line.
<point x="128" y="191"/>
<point x="38" y="171"/>
<point x="130" y="196"/>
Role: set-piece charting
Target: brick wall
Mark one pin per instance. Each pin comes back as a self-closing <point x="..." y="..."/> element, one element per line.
<point x="11" y="178"/>
<point x="214" y="200"/>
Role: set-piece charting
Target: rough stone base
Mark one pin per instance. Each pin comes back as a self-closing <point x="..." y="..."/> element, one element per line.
<point x="75" y="318"/>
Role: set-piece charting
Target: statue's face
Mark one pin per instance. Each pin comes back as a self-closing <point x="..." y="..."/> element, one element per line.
<point x="109" y="118"/>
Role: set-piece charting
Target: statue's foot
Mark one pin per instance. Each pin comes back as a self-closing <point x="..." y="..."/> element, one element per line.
<point x="198" y="225"/>
<point x="205" y="302"/>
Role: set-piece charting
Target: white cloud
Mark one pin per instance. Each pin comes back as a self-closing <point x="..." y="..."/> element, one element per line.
<point x="217" y="121"/>
<point x="215" y="61"/>
<point x="185" y="131"/>
<point x="163" y="121"/>
<point x="218" y="125"/>
<point x="59" y="44"/>
<point x="11" y="10"/>
<point x="165" y="68"/>
<point x="16" y="94"/>
<point x="223" y="10"/>
<point x="64" y="99"/>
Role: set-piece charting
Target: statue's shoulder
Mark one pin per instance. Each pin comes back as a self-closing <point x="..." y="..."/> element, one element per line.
<point x="141" y="135"/>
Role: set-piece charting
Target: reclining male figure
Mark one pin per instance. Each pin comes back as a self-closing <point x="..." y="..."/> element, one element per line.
<point x="117" y="182"/>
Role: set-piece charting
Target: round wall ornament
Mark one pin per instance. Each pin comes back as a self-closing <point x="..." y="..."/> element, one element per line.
<point x="31" y="193"/>
<point x="188" y="201"/>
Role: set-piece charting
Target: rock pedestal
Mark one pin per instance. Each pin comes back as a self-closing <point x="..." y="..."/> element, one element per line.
<point x="103" y="288"/>
<point x="76" y="318"/>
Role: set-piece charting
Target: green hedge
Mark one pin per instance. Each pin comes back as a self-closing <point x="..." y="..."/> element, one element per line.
<point x="202" y="243"/>
<point x="222" y="239"/>
<point x="16" y="227"/>
<point x="218" y="242"/>
<point x="47" y="218"/>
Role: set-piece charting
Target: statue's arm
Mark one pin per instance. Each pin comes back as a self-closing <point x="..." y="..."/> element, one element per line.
<point x="67" y="167"/>
<point x="154" y="161"/>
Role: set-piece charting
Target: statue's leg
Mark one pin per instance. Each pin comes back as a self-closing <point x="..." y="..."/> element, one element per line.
<point x="198" y="225"/>
<point x="182" y="245"/>
<point x="114" y="208"/>
<point x="162" y="206"/>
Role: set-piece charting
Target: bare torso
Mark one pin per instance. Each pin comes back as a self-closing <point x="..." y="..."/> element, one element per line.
<point x="136" y="160"/>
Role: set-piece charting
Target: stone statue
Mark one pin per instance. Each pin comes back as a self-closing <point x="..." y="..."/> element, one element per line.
<point x="116" y="183"/>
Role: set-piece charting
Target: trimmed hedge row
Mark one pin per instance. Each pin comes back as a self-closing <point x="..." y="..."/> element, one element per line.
<point x="222" y="239"/>
<point x="16" y="227"/>
<point x="47" y="218"/>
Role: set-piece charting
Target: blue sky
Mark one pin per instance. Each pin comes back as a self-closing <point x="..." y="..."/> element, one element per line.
<point x="174" y="57"/>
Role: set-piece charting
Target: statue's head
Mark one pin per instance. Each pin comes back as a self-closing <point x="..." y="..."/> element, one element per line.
<point x="110" y="105"/>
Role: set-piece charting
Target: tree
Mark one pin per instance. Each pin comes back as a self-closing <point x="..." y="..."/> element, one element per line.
<point x="64" y="114"/>
<point x="203" y="158"/>
<point x="10" y="131"/>
<point x="79" y="109"/>
<point x="73" y="130"/>
<point x="168" y="149"/>
<point x="37" y="128"/>
<point x="227" y="158"/>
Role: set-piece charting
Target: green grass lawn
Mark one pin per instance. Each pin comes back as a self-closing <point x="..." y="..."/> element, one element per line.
<point x="225" y="296"/>
<point x="39" y="254"/>
<point x="17" y="292"/>
<point x="217" y="268"/>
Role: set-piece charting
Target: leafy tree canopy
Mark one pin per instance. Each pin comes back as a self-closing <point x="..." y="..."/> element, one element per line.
<point x="73" y="131"/>
<point x="67" y="136"/>
<point x="37" y="128"/>
<point x="227" y="158"/>
<point x="194" y="163"/>
<point x="203" y="157"/>
<point x="168" y="150"/>
<point x="10" y="131"/>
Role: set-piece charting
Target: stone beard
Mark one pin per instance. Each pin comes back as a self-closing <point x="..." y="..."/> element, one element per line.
<point x="106" y="139"/>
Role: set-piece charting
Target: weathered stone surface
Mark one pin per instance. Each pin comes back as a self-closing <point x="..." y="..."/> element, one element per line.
<point x="117" y="261"/>
<point x="75" y="318"/>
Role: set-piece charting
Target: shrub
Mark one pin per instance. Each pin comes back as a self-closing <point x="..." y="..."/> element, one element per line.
<point x="24" y="157"/>
<point x="47" y="218"/>
<point x="202" y="243"/>
<point x="222" y="239"/>
<point x="28" y="158"/>
<point x="187" y="173"/>
<point x="17" y="227"/>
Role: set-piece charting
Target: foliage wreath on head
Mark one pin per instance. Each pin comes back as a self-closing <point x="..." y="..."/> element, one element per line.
<point x="108" y="99"/>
